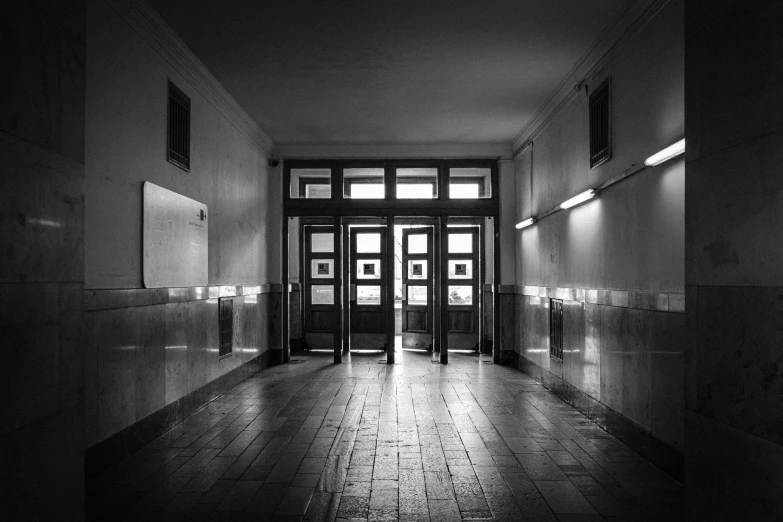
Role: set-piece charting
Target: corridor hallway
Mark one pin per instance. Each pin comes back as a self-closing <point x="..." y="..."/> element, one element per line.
<point x="363" y="440"/>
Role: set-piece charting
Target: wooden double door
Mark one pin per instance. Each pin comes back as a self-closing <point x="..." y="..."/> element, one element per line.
<point x="366" y="282"/>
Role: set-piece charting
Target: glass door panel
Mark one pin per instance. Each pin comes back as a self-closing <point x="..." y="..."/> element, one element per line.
<point x="319" y="286"/>
<point x="463" y="298"/>
<point x="368" y="296"/>
<point x="417" y="283"/>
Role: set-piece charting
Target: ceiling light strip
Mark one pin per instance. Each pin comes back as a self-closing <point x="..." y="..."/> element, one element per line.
<point x="664" y="155"/>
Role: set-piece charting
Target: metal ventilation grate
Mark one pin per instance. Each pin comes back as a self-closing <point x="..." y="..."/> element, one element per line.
<point x="226" y="319"/>
<point x="556" y="328"/>
<point x="179" y="128"/>
<point x="600" y="124"/>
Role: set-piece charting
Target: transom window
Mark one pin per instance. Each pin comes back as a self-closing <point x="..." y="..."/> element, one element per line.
<point x="402" y="181"/>
<point x="470" y="183"/>
<point x="413" y="183"/>
<point x="364" y="184"/>
<point x="311" y="183"/>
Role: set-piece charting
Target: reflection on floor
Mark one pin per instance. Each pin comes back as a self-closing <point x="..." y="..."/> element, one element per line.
<point x="412" y="441"/>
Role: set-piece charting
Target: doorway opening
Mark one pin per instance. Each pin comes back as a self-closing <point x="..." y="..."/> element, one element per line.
<point x="391" y="294"/>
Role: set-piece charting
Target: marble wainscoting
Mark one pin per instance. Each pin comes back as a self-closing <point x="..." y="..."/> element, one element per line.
<point x="623" y="360"/>
<point x="152" y="359"/>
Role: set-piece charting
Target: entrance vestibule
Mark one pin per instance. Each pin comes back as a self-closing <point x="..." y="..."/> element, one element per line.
<point x="369" y="271"/>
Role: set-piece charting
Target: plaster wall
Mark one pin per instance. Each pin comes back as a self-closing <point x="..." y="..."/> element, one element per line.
<point x="152" y="352"/>
<point x="127" y="82"/>
<point x="733" y="274"/>
<point x="616" y="261"/>
<point x="632" y="236"/>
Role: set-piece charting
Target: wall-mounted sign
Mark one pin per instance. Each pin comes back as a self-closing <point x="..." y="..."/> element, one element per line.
<point x="369" y="268"/>
<point x="323" y="268"/>
<point x="460" y="269"/>
<point x="175" y="239"/>
<point x="417" y="269"/>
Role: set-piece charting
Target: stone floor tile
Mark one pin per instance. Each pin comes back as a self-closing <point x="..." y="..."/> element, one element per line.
<point x="361" y="441"/>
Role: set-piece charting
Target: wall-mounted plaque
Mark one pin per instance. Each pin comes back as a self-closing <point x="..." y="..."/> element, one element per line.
<point x="323" y="268"/>
<point x="369" y="268"/>
<point x="175" y="239"/>
<point x="461" y="269"/>
<point x="417" y="269"/>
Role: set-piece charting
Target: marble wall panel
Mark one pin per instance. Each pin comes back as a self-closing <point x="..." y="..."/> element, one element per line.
<point x="295" y="319"/>
<point x="90" y="379"/>
<point x="614" y="334"/>
<point x="197" y="343"/>
<point x="730" y="474"/>
<point x="573" y="341"/>
<point x="43" y="236"/>
<point x="71" y="342"/>
<point x="636" y="346"/>
<point x="117" y="335"/>
<point x="590" y="370"/>
<point x="507" y="318"/>
<point x="537" y="331"/>
<point x="630" y="360"/>
<point x="274" y="319"/>
<point x="176" y="351"/>
<point x="151" y="360"/>
<point x="29" y="358"/>
<point x="740" y="363"/>
<point x="252" y="328"/>
<point x="667" y="374"/>
<point x="213" y="362"/>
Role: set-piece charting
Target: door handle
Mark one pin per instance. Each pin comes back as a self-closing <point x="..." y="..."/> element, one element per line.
<point x="353" y="293"/>
<point x="404" y="292"/>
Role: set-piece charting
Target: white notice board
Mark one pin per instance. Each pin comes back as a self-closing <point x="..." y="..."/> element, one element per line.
<point x="175" y="239"/>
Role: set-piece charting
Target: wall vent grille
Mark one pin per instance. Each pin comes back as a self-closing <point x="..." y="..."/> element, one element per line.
<point x="226" y="319"/>
<point x="179" y="128"/>
<point x="601" y="124"/>
<point x="556" y="328"/>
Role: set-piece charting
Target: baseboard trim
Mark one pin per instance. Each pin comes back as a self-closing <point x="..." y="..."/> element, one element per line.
<point x="121" y="445"/>
<point x="659" y="453"/>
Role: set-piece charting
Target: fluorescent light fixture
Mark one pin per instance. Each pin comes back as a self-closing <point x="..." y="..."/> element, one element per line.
<point x="584" y="196"/>
<point x="526" y="223"/>
<point x="666" y="154"/>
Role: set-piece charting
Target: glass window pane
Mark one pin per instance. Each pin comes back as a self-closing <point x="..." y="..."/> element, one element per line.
<point x="417" y="244"/>
<point x="417" y="295"/>
<point x="460" y="243"/>
<point x="470" y="183"/>
<point x="368" y="268"/>
<point x="313" y="191"/>
<point x="464" y="190"/>
<point x="460" y="268"/>
<point x="417" y="183"/>
<point x="322" y="268"/>
<point x="368" y="243"/>
<point x="417" y="269"/>
<point x="311" y="183"/>
<point x="363" y="184"/>
<point x="460" y="295"/>
<point x="368" y="295"/>
<point x="322" y="294"/>
<point x="322" y="242"/>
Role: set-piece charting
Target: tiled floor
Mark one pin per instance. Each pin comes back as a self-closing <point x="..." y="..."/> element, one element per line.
<point x="367" y="441"/>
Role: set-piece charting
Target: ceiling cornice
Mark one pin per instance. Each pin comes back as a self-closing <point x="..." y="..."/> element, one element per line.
<point x="629" y="20"/>
<point x="393" y="150"/>
<point x="146" y="22"/>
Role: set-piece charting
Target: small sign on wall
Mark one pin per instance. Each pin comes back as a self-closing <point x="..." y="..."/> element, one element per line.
<point x="461" y="269"/>
<point x="369" y="268"/>
<point x="175" y="239"/>
<point x="417" y="269"/>
<point x="323" y="268"/>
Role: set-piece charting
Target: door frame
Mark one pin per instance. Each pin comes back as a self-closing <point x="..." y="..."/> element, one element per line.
<point x="441" y="209"/>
